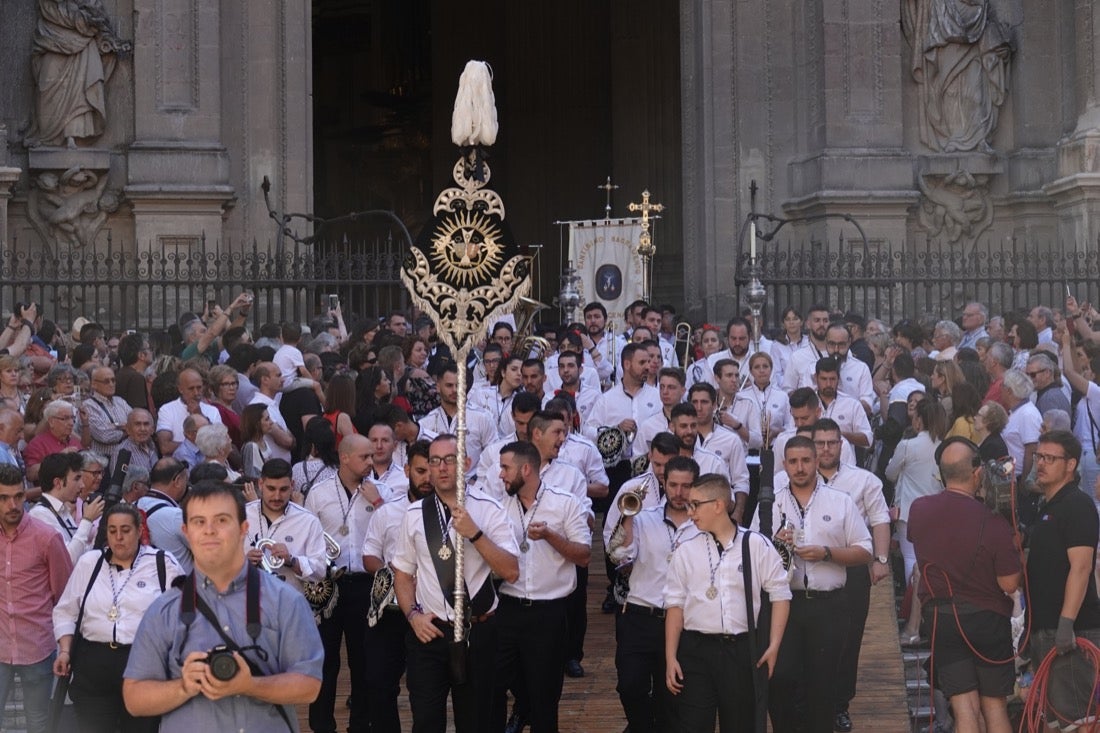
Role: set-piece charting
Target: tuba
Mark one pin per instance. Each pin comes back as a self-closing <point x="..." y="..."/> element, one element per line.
<point x="534" y="347"/>
<point x="268" y="562"/>
<point x="525" y="311"/>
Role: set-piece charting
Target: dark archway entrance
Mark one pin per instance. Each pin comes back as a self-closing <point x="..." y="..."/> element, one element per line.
<point x="584" y="89"/>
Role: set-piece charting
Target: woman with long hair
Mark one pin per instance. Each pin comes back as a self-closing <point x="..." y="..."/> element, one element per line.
<point x="791" y="340"/>
<point x="97" y="617"/>
<point x="415" y="385"/>
<point x="374" y="389"/>
<point x="966" y="402"/>
<point x="340" y="405"/>
<point x="946" y="375"/>
<point x="256" y="443"/>
<point x="913" y="470"/>
<point x="496" y="398"/>
<point x="323" y="460"/>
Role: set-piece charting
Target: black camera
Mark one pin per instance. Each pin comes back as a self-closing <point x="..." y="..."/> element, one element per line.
<point x="222" y="663"/>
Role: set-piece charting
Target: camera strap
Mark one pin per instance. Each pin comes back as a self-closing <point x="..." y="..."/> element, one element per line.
<point x="190" y="600"/>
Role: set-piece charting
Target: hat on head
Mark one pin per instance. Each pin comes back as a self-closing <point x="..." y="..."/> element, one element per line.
<point x="78" y="324"/>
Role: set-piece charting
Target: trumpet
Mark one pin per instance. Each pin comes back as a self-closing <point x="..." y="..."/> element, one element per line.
<point x="629" y="504"/>
<point x="682" y="333"/>
<point x="268" y="562"/>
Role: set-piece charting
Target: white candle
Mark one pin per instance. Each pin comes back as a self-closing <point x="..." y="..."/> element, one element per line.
<point x="752" y="240"/>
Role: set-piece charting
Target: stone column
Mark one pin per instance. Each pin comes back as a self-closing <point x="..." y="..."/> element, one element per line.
<point x="267" y="94"/>
<point x="178" y="167"/>
<point x="1076" y="191"/>
<point x="855" y="161"/>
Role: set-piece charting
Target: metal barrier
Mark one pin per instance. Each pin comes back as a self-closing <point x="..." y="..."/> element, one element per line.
<point x="147" y="288"/>
<point x="929" y="282"/>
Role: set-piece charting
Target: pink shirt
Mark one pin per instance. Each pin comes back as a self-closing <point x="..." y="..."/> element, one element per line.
<point x="34" y="568"/>
<point x="44" y="444"/>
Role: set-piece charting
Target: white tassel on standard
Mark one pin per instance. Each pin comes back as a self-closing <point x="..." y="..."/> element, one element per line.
<point x="474" y="121"/>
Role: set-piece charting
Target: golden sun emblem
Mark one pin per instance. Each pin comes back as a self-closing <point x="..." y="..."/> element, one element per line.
<point x="466" y="248"/>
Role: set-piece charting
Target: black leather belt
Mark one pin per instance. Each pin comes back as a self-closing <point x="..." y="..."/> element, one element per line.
<point x="525" y="602"/>
<point x="448" y="626"/>
<point x="634" y="608"/>
<point x="724" y="638"/>
<point x="809" y="595"/>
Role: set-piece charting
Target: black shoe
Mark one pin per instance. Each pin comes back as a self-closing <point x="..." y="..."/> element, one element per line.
<point x="609" y="605"/>
<point x="843" y="722"/>
<point x="516" y="723"/>
<point x="574" y="669"/>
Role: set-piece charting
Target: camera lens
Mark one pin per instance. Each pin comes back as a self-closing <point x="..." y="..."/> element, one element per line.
<point x="222" y="665"/>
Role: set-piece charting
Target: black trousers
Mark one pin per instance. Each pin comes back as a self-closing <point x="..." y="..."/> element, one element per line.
<point x="857" y="597"/>
<point x="429" y="680"/>
<point x="530" y="661"/>
<point x="576" y="610"/>
<point x="96" y="690"/>
<point x="640" y="663"/>
<point x="717" y="679"/>
<point x="347" y="623"/>
<point x="384" y="650"/>
<point x="807" y="664"/>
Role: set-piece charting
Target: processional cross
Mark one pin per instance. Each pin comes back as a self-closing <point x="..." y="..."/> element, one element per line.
<point x="646" y="250"/>
<point x="607" y="188"/>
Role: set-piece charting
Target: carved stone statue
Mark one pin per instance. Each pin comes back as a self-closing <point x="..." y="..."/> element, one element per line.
<point x="960" y="63"/>
<point x="69" y="208"/>
<point x="955" y="206"/>
<point x="74" y="54"/>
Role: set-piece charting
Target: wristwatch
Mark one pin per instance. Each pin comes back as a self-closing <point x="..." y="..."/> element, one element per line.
<point x="882" y="559"/>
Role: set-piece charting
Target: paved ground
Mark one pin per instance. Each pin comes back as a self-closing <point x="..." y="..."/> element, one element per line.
<point x="590" y="705"/>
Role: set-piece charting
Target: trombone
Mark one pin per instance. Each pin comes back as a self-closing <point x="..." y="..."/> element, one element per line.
<point x="682" y="335"/>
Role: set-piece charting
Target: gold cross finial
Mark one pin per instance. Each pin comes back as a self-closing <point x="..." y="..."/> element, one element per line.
<point x="645" y="242"/>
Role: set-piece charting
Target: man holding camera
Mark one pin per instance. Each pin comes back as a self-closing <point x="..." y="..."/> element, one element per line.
<point x="179" y="665"/>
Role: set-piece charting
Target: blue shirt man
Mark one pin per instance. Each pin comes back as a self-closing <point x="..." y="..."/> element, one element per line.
<point x="167" y="673"/>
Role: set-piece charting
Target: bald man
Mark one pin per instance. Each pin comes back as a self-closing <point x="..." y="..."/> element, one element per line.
<point x="170" y="417"/>
<point x="345" y="504"/>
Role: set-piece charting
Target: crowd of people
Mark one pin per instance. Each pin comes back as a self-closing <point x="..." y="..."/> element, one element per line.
<point x="209" y="533"/>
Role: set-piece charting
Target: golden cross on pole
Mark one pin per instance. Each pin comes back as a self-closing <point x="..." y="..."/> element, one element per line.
<point x="646" y="250"/>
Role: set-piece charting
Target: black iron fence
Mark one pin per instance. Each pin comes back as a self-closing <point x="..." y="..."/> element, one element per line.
<point x="147" y="288"/>
<point x="933" y="281"/>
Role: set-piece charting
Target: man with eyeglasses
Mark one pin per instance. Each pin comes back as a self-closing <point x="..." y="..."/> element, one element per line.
<point x="1060" y="565"/>
<point x="707" y="660"/>
<point x="865" y="490"/>
<point x="163" y="516"/>
<point x="1048" y="390"/>
<point x="56" y="438"/>
<point x="974" y="316"/>
<point x="649" y="541"/>
<point x="826" y="534"/>
<point x="424" y="578"/>
<point x="107" y="412"/>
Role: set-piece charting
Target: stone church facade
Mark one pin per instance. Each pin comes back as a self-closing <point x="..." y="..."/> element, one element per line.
<point x="959" y="121"/>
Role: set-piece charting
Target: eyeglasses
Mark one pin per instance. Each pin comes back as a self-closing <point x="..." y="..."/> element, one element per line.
<point x="826" y="443"/>
<point x="450" y="460"/>
<point x="1047" y="458"/>
<point x="1036" y="373"/>
<point x="693" y="506"/>
<point x="234" y="383"/>
<point x="63" y="418"/>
